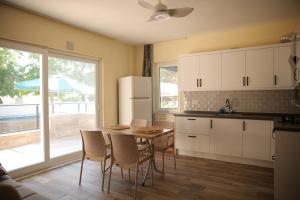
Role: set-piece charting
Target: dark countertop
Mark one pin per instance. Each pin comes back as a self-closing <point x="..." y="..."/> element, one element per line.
<point x="289" y="127"/>
<point x="279" y="123"/>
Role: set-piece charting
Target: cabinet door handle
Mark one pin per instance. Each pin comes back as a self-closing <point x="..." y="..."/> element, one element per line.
<point x="191" y="119"/>
<point x="211" y="124"/>
<point x="244" y="125"/>
<point x="275" y="79"/>
<point x="244" y="80"/>
<point x="273" y="157"/>
<point x="192" y="136"/>
<point x="200" y="82"/>
<point x="247" y="81"/>
<point x="197" y="82"/>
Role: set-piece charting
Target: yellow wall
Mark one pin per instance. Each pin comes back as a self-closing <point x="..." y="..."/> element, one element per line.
<point x="260" y="34"/>
<point x="117" y="57"/>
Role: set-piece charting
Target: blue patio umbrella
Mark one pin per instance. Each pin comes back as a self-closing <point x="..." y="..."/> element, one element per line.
<point x="56" y="84"/>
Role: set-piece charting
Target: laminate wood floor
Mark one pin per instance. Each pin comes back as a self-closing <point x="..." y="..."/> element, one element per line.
<point x="194" y="178"/>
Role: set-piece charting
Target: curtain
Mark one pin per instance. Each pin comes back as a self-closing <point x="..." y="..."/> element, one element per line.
<point x="147" y="63"/>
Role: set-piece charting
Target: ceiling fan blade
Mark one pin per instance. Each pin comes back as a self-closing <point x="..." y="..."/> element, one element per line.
<point x="145" y="4"/>
<point x="180" y="12"/>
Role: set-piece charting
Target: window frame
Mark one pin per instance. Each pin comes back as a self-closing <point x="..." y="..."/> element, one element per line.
<point x="157" y="92"/>
<point x="44" y="127"/>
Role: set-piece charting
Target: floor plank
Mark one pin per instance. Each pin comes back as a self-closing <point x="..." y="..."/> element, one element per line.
<point x="194" y="178"/>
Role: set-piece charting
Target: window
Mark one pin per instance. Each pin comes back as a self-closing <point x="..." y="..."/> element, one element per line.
<point x="168" y="87"/>
<point x="33" y="133"/>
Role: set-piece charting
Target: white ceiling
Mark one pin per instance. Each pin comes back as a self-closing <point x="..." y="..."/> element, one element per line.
<point x="125" y="20"/>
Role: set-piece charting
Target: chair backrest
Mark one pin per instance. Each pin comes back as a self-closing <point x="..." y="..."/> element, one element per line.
<point x="139" y="123"/>
<point x="93" y="144"/>
<point x="164" y="124"/>
<point x="124" y="149"/>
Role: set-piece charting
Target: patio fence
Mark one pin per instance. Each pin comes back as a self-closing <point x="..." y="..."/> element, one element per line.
<point x="25" y="117"/>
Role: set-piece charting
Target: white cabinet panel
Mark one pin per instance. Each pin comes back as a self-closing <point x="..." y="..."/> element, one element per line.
<point x="193" y="125"/>
<point x="188" y="73"/>
<point x="192" y="142"/>
<point x="259" y="68"/>
<point x="226" y="137"/>
<point x="257" y="139"/>
<point x="233" y="70"/>
<point x="210" y="71"/>
<point x="282" y="70"/>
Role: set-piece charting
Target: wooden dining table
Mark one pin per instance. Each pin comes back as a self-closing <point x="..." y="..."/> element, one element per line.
<point x="149" y="137"/>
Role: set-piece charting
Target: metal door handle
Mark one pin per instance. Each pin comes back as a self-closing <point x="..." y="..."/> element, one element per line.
<point x="192" y="136"/>
<point x="244" y="125"/>
<point x="247" y="80"/>
<point x="273" y="157"/>
<point x="211" y="123"/>
<point x="191" y="119"/>
<point x="275" y="79"/>
<point x="200" y="82"/>
<point x="244" y="81"/>
<point x="197" y="82"/>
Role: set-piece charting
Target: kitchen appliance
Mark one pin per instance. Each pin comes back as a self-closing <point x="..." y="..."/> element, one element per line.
<point x="135" y="99"/>
<point x="287" y="165"/>
<point x="161" y="11"/>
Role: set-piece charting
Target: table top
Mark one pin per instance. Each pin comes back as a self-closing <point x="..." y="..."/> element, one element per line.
<point x="142" y="135"/>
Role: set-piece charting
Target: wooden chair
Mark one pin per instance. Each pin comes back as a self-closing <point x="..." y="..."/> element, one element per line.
<point x="165" y="143"/>
<point x="127" y="155"/>
<point x="95" y="149"/>
<point x="139" y="123"/>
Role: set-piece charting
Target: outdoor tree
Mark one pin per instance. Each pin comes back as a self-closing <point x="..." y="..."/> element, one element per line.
<point x="12" y="70"/>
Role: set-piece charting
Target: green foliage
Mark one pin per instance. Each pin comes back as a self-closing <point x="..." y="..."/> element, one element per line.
<point x="12" y="71"/>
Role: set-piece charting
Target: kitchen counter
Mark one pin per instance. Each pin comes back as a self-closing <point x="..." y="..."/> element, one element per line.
<point x="279" y="124"/>
<point x="290" y="127"/>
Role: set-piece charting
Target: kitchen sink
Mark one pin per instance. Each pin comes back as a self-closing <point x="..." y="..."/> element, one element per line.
<point x="230" y="114"/>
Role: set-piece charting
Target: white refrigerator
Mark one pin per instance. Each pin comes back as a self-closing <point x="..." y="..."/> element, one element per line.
<point x="135" y="99"/>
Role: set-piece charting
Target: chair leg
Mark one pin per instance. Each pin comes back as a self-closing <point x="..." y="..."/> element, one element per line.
<point x="110" y="169"/>
<point x="163" y="163"/>
<point x="129" y="179"/>
<point x="101" y="168"/>
<point x="174" y="156"/>
<point x="103" y="172"/>
<point x="81" y="170"/>
<point x="151" y="165"/>
<point x="136" y="180"/>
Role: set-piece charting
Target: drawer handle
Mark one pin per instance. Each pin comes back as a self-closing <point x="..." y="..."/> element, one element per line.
<point x="192" y="136"/>
<point x="191" y="119"/>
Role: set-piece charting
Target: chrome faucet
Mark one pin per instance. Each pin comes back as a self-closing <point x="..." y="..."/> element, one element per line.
<point x="228" y="106"/>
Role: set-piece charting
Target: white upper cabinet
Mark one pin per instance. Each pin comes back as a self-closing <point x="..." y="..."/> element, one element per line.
<point x="188" y="73"/>
<point x="210" y="71"/>
<point x="283" y="74"/>
<point x="233" y="70"/>
<point x="259" y="68"/>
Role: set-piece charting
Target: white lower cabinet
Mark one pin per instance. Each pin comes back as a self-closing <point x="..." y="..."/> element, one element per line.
<point x="257" y="139"/>
<point x="192" y="142"/>
<point x="248" y="139"/>
<point x="226" y="137"/>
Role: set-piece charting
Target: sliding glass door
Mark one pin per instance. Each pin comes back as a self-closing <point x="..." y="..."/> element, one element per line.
<point x="20" y="134"/>
<point x="71" y="93"/>
<point x="45" y="99"/>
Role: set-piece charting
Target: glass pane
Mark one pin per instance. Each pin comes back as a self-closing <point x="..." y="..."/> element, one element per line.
<point x="71" y="103"/>
<point x="168" y="87"/>
<point x="20" y="136"/>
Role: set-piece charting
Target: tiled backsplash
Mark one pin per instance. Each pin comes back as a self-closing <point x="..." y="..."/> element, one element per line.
<point x="267" y="101"/>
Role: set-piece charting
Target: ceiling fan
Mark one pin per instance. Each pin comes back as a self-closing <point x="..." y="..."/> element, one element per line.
<point x="161" y="11"/>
